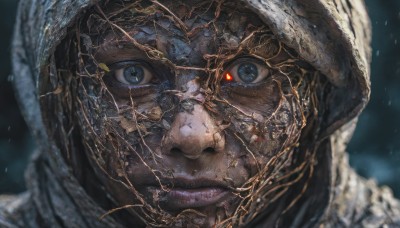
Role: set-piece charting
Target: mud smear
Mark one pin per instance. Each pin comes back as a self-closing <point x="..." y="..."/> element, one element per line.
<point x="123" y="127"/>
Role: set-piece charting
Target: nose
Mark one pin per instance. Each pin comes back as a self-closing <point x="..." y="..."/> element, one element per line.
<point x="194" y="134"/>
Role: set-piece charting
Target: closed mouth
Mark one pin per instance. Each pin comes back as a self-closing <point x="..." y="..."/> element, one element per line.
<point x="190" y="193"/>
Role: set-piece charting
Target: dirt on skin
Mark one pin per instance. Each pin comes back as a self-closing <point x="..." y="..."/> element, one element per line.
<point x="191" y="47"/>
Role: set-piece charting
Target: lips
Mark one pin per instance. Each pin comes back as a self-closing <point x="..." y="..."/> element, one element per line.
<point x="192" y="198"/>
<point x="190" y="193"/>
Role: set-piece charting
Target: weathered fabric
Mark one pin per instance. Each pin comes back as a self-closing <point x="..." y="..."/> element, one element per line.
<point x="334" y="36"/>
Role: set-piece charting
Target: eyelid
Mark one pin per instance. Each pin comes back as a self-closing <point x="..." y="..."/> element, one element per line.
<point x="125" y="63"/>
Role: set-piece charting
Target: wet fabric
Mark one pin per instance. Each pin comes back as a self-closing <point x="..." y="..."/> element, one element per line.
<point x="56" y="199"/>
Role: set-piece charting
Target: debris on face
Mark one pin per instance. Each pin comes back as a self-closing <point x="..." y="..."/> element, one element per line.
<point x="252" y="120"/>
<point x="187" y="106"/>
<point x="154" y="113"/>
<point x="166" y="125"/>
<point x="128" y="125"/>
<point x="120" y="172"/>
<point x="232" y="41"/>
<point x="104" y="67"/>
<point x="191" y="89"/>
<point x="253" y="139"/>
<point x="131" y="126"/>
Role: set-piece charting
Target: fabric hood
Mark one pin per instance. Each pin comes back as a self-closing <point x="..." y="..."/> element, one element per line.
<point x="334" y="38"/>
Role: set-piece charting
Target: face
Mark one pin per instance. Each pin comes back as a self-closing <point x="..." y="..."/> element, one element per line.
<point x="191" y="113"/>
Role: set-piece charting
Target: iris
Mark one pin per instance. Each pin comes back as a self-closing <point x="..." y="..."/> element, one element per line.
<point x="247" y="72"/>
<point x="134" y="74"/>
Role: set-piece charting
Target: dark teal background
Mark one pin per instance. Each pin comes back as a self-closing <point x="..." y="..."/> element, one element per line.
<point x="375" y="147"/>
<point x="374" y="150"/>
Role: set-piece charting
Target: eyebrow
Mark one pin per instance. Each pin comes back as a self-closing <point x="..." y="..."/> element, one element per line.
<point x="117" y="50"/>
<point x="116" y="42"/>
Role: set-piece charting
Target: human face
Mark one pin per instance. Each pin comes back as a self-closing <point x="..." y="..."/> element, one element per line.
<point x="189" y="108"/>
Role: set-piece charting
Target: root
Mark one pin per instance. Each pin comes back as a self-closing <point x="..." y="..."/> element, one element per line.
<point x="100" y="111"/>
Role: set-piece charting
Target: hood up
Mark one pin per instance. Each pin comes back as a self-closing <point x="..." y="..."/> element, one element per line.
<point x="333" y="36"/>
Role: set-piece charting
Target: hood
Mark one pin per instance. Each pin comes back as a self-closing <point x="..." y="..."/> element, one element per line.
<point x="332" y="35"/>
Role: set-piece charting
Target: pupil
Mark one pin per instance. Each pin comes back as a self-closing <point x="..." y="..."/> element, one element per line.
<point x="134" y="74"/>
<point x="247" y="72"/>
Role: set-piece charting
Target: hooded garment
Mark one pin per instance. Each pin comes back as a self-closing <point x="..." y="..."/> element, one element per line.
<point x="332" y="35"/>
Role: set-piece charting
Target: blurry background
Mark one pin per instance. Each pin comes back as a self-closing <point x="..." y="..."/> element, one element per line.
<point x="15" y="141"/>
<point x="374" y="150"/>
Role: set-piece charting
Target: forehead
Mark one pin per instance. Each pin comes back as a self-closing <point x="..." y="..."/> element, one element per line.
<point x="185" y="32"/>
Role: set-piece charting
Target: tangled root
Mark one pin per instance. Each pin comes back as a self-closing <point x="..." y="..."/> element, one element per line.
<point x="291" y="164"/>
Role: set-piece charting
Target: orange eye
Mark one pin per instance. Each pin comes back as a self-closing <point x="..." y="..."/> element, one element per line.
<point x="228" y="77"/>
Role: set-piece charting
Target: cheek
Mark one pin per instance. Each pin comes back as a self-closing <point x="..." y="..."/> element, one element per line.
<point x="113" y="129"/>
<point x="266" y="124"/>
<point x="280" y="130"/>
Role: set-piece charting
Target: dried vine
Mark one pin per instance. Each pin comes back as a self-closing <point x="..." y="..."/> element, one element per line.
<point x="126" y="127"/>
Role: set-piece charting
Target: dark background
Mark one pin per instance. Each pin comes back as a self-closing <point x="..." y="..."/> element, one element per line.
<point x="374" y="150"/>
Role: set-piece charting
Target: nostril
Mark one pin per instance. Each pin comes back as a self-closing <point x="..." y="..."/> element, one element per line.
<point x="175" y="150"/>
<point x="209" y="150"/>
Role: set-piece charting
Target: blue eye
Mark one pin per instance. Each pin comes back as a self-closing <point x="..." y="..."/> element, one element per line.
<point x="134" y="74"/>
<point x="247" y="72"/>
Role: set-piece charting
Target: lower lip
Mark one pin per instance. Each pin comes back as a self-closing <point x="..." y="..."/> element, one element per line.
<point x="192" y="198"/>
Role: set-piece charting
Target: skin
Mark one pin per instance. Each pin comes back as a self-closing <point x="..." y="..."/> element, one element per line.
<point x="188" y="138"/>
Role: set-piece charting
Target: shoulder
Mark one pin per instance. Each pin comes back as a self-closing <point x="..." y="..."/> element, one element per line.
<point x="361" y="203"/>
<point x="12" y="210"/>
